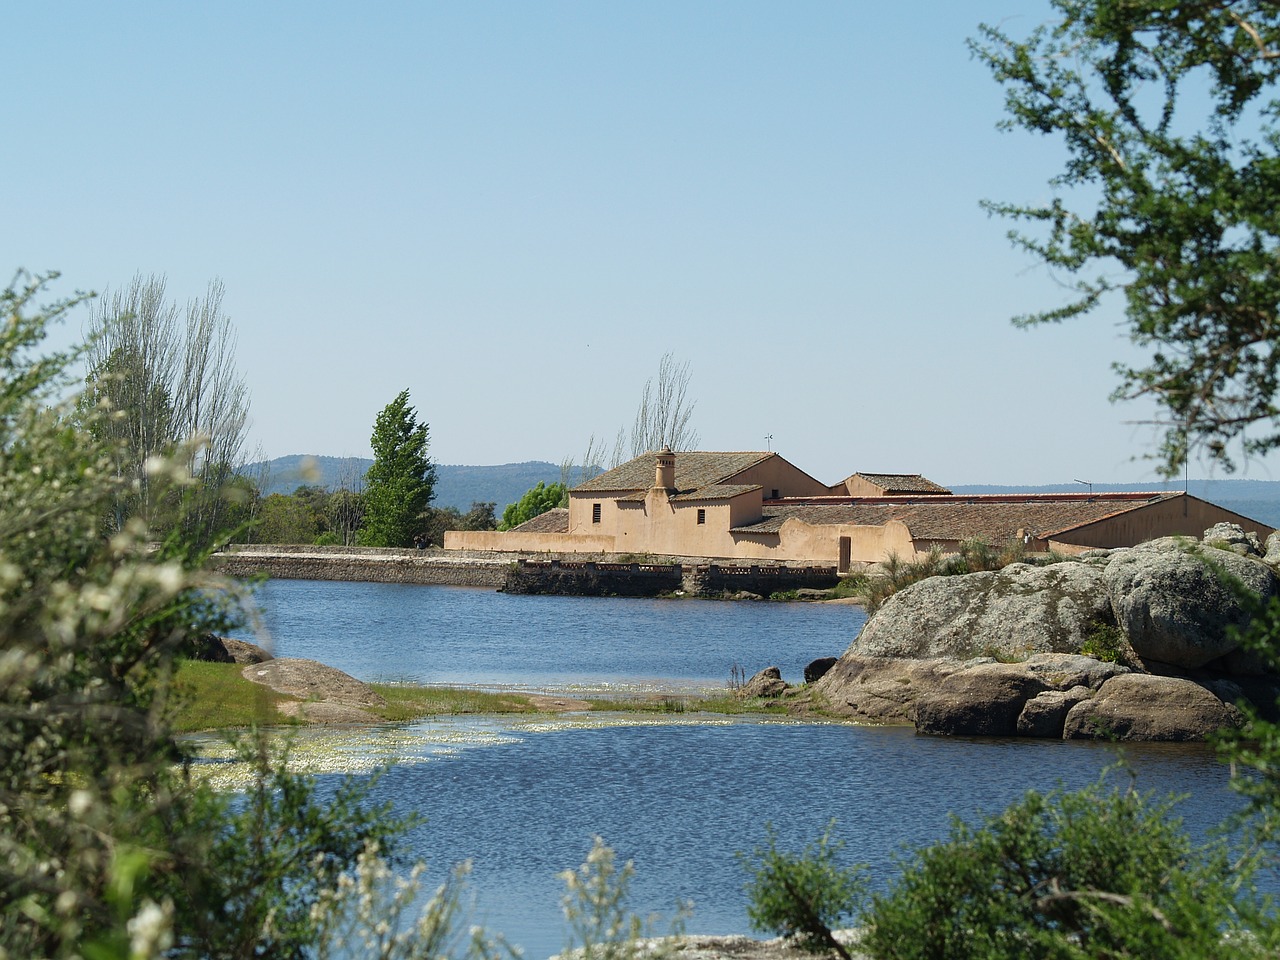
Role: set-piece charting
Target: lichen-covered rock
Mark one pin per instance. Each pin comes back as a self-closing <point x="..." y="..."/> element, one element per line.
<point x="1009" y="613"/>
<point x="1231" y="536"/>
<point x="767" y="683"/>
<point x="1139" y="706"/>
<point x="1272" y="554"/>
<point x="1045" y="714"/>
<point x="1174" y="603"/>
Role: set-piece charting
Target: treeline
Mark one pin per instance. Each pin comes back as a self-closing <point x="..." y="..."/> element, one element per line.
<point x="314" y="515"/>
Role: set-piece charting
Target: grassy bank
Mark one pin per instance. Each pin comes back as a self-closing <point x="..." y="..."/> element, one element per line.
<point x="215" y="696"/>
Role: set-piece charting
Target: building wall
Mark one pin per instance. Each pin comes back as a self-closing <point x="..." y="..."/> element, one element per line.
<point x="789" y="480"/>
<point x="858" y="487"/>
<point x="1179" y="516"/>
<point x="492" y="540"/>
<point x="669" y="528"/>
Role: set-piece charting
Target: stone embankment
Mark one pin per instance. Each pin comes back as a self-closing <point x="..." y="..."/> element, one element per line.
<point x="517" y="573"/>
<point x="1138" y="643"/>
<point x="365" y="564"/>
<point x="698" y="579"/>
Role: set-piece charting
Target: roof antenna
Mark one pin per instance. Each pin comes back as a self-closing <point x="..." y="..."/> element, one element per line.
<point x="769" y="441"/>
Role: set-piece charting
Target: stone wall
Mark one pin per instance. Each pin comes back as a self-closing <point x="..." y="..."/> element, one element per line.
<point x="764" y="579"/>
<point x="363" y="564"/>
<point x="591" y="579"/>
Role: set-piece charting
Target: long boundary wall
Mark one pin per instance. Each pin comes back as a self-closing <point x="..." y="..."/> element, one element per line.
<point x="363" y="564"/>
<point x="515" y="573"/>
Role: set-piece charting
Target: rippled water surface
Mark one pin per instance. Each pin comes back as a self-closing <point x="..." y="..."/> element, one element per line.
<point x="457" y="635"/>
<point x="680" y="796"/>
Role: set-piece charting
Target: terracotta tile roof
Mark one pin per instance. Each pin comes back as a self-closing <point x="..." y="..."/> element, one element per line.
<point x="694" y="469"/>
<point x="555" y="520"/>
<point x="959" y="518"/>
<point x="717" y="491"/>
<point x="900" y="483"/>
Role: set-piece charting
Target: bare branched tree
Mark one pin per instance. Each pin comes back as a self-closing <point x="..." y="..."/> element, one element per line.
<point x="169" y="378"/>
<point x="662" y="419"/>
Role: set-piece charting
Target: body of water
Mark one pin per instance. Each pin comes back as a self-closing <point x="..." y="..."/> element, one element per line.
<point x="523" y="798"/>
<point x="472" y="636"/>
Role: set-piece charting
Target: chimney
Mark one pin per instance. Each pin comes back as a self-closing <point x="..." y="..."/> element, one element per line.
<point x="665" y="475"/>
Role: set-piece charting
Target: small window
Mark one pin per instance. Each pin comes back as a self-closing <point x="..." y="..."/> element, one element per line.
<point x="775" y="495"/>
<point x="595" y="513"/>
<point x="702" y="515"/>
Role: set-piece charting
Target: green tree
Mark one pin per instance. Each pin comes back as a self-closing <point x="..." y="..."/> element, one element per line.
<point x="441" y="519"/>
<point x="400" y="484"/>
<point x="1171" y="124"/>
<point x="286" y="519"/>
<point x="535" y="502"/>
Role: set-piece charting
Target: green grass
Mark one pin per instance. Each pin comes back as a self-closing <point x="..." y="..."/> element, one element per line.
<point x="215" y="696"/>
<point x="729" y="703"/>
<point x="408" y="702"/>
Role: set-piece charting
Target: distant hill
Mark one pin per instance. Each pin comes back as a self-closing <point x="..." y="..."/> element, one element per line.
<point x="456" y="486"/>
<point x="459" y="485"/>
<point x="1256" y="499"/>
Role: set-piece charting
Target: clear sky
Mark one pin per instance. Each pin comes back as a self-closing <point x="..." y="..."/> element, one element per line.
<point x="515" y="209"/>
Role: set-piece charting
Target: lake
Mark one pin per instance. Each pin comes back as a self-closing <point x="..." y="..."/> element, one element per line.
<point x="681" y="796"/>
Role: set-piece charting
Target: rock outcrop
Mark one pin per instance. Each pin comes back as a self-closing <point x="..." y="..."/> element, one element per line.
<point x="1176" y="604"/>
<point x="1017" y="652"/>
<point x="323" y="694"/>
<point x="767" y="683"/>
<point x="1009" y="613"/>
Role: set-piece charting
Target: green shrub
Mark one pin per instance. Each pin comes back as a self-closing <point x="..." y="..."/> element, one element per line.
<point x="1093" y="873"/>
<point x="1105" y="642"/>
<point x="805" y="895"/>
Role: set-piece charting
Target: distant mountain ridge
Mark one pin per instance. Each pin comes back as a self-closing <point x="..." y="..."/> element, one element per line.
<point x="461" y="485"/>
<point x="456" y="485"/>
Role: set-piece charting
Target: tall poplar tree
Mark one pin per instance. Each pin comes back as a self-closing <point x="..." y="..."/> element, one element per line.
<point x="401" y="482"/>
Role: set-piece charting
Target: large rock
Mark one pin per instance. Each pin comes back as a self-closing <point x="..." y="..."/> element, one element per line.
<point x="215" y="649"/>
<point x="1139" y="706"/>
<point x="815" y="670"/>
<point x="767" y="683"/>
<point x="983" y="700"/>
<point x="1008" y="614"/>
<point x="310" y="680"/>
<point x="880" y="689"/>
<point x="1231" y="536"/>
<point x="1045" y="714"/>
<point x="1175" y="601"/>
<point x="946" y="696"/>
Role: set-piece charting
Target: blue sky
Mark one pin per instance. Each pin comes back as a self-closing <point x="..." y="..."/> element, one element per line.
<point x="515" y="209"/>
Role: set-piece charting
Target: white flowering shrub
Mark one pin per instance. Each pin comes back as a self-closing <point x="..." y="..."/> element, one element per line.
<point x="595" y="907"/>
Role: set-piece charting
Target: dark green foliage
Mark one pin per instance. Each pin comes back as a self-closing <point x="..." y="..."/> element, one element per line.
<point x="534" y="503"/>
<point x="1093" y="873"/>
<point x="806" y="894"/>
<point x="274" y="849"/>
<point x="1168" y="114"/>
<point x="399" y="484"/>
<point x="438" y="520"/>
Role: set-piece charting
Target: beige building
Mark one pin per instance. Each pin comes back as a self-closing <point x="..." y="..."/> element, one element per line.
<point x="759" y="507"/>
